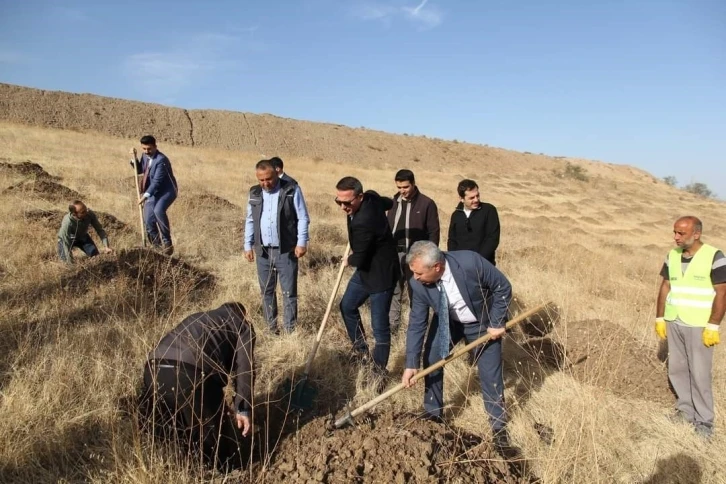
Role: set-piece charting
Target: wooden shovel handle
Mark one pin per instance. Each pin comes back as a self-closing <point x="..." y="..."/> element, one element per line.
<point x="481" y="340"/>
<point x="319" y="337"/>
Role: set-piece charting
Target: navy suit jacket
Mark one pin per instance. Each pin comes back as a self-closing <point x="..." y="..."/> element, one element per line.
<point x="161" y="177"/>
<point x="486" y="291"/>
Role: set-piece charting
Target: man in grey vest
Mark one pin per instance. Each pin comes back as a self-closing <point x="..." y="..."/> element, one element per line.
<point x="276" y="230"/>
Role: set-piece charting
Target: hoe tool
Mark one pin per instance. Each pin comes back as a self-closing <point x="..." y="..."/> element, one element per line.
<point x="347" y="419"/>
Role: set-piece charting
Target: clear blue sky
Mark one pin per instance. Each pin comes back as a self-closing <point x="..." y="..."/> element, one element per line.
<point x="634" y="82"/>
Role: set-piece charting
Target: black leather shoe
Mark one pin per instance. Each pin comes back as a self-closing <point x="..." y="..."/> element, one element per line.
<point x="503" y="446"/>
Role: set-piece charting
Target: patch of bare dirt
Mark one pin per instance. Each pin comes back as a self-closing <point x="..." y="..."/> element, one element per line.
<point x="45" y="189"/>
<point x="391" y="449"/>
<point x="220" y="202"/>
<point x="53" y="219"/>
<point x="603" y="354"/>
<point x="142" y="279"/>
<point x="25" y="168"/>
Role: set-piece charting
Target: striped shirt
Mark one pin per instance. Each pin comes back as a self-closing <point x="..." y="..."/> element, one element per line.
<point x="718" y="268"/>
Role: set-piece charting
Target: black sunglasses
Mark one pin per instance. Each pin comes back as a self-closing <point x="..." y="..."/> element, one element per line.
<point x="346" y="203"/>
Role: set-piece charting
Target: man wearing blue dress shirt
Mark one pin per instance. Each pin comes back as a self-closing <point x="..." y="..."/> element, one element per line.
<point x="276" y="230"/>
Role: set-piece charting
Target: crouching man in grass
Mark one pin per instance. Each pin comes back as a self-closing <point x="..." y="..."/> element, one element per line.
<point x="74" y="232"/>
<point x="184" y="381"/>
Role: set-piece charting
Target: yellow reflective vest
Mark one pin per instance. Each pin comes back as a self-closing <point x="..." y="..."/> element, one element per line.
<point x="691" y="296"/>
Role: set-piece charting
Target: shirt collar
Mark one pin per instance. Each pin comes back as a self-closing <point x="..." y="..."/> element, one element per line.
<point x="447" y="276"/>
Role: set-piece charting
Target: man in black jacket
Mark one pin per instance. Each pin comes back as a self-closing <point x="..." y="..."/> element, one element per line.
<point x="373" y="254"/>
<point x="474" y="225"/>
<point x="184" y="380"/>
<point x="414" y="217"/>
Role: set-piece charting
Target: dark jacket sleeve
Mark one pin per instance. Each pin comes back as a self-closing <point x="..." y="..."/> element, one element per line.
<point x="452" y="243"/>
<point x="417" y="326"/>
<point x="362" y="243"/>
<point x="432" y="223"/>
<point x="136" y="164"/>
<point x="244" y="376"/>
<point x="491" y="238"/>
<point x="501" y="291"/>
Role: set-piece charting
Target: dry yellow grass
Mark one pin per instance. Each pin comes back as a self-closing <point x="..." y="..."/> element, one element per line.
<point x="71" y="355"/>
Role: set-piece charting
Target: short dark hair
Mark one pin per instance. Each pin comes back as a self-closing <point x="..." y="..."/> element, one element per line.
<point x="277" y="162"/>
<point x="73" y="207"/>
<point x="148" y="140"/>
<point x="264" y="165"/>
<point x="350" y="183"/>
<point x="405" y="175"/>
<point x="465" y="186"/>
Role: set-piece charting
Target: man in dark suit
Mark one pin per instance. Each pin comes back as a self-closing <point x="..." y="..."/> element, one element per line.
<point x="158" y="191"/>
<point x="373" y="254"/>
<point x="470" y="298"/>
<point x="184" y="381"/>
<point x="474" y="224"/>
<point x="279" y="167"/>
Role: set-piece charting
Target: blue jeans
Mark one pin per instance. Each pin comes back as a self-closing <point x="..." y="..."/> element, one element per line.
<point x="355" y="296"/>
<point x="271" y="265"/>
<point x="156" y="220"/>
<point x="86" y="245"/>
<point x="489" y="364"/>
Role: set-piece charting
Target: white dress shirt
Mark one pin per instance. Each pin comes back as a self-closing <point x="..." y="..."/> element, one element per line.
<point x="458" y="310"/>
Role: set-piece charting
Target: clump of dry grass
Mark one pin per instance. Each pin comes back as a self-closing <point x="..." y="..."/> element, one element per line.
<point x="71" y="355"/>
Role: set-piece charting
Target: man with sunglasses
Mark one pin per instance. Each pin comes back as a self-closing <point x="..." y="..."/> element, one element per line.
<point x="373" y="254"/>
<point x="276" y="228"/>
<point x="474" y="225"/>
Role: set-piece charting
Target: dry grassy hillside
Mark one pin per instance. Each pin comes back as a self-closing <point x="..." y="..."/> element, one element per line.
<point x="72" y="341"/>
<point x="261" y="134"/>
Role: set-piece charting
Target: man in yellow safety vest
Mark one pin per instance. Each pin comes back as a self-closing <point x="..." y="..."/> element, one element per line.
<point x="691" y="304"/>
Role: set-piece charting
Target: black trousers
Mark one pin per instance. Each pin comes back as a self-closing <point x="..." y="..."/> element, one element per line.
<point x="181" y="404"/>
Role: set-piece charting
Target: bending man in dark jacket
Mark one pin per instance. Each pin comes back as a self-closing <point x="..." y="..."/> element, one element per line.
<point x="414" y="217"/>
<point x="373" y="254"/>
<point x="474" y="225"/>
<point x="470" y="298"/>
<point x="184" y="382"/>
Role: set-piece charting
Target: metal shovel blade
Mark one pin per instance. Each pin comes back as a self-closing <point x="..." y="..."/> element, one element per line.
<point x="301" y="393"/>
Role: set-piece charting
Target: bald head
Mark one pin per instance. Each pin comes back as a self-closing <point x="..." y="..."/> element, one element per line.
<point x="694" y="222"/>
<point x="687" y="232"/>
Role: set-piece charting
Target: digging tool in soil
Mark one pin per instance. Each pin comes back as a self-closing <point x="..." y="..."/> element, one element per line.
<point x="347" y="419"/>
<point x="303" y="395"/>
<point x="134" y="162"/>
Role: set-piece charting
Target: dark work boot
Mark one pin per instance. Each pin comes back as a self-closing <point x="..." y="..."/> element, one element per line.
<point x="168" y="249"/>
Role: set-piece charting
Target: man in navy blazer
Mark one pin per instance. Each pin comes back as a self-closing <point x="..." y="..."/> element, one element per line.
<point x="477" y="296"/>
<point x="158" y="191"/>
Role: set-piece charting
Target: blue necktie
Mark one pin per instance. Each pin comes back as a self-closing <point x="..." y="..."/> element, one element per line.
<point x="443" y="334"/>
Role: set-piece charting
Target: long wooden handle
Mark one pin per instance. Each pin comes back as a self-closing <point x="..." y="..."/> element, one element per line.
<point x="319" y="337"/>
<point x="483" y="339"/>
<point x="138" y="200"/>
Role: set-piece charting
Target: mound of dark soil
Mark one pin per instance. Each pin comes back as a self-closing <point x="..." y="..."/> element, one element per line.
<point x="391" y="449"/>
<point x="53" y="219"/>
<point x="26" y="168"/>
<point x="211" y="199"/>
<point x="45" y="189"/>
<point x="604" y="354"/>
<point x="146" y="280"/>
